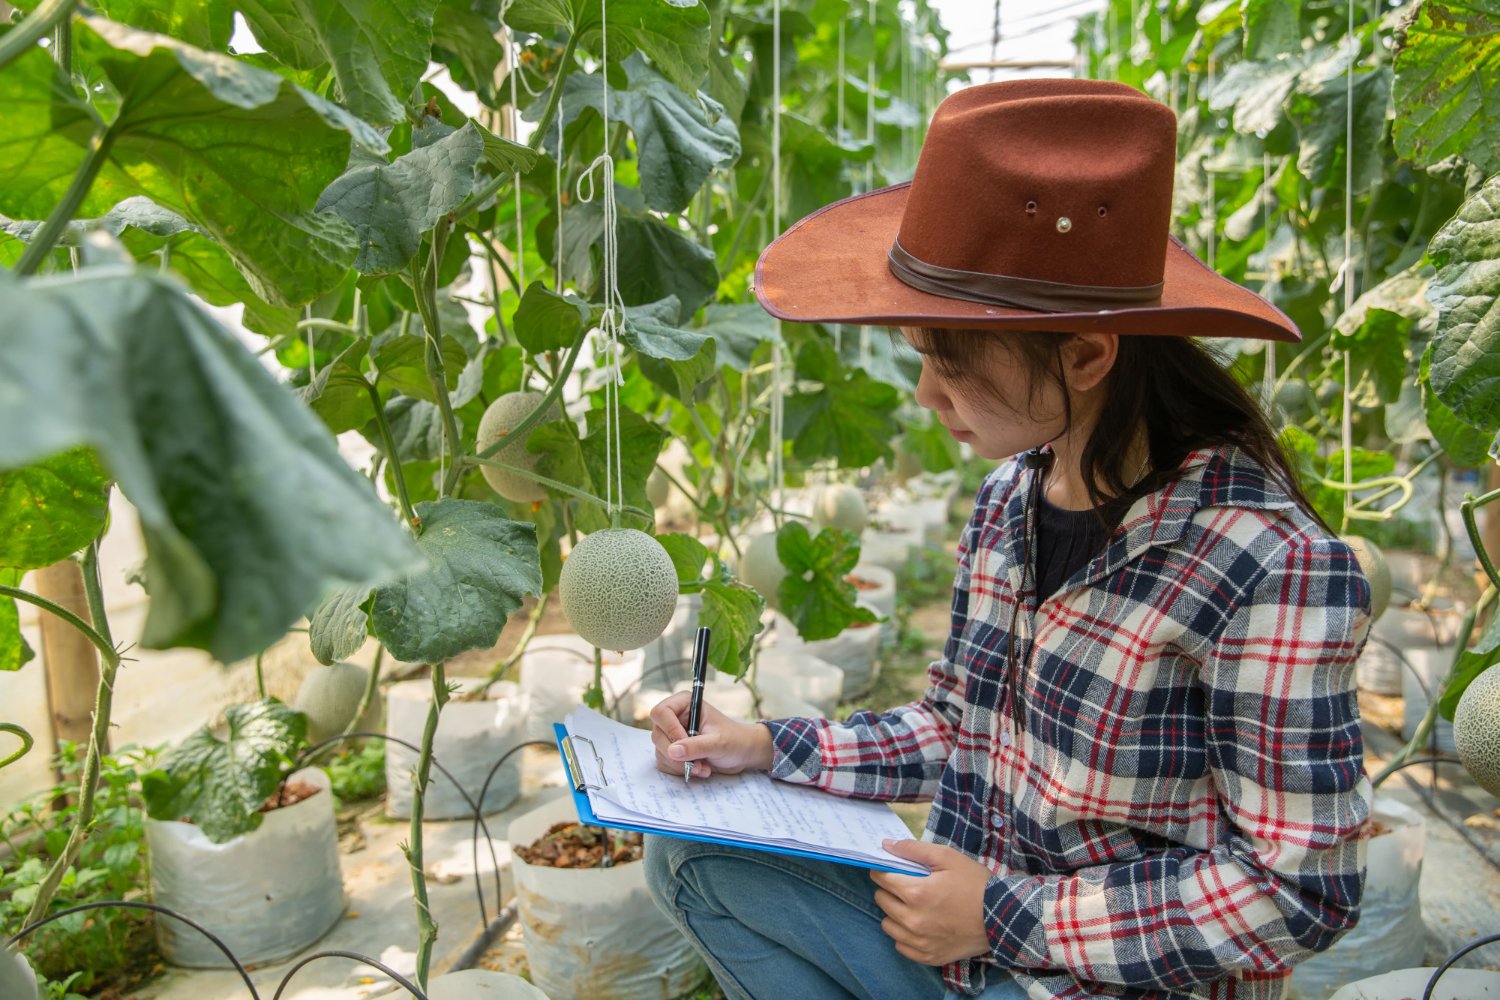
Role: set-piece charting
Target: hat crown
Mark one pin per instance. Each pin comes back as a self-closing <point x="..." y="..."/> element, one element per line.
<point x="1065" y="181"/>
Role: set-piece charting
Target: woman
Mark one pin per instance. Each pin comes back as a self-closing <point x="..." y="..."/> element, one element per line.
<point x="1141" y="741"/>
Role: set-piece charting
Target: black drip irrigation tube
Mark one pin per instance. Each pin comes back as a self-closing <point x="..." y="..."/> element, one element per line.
<point x="401" y="980"/>
<point x="1453" y="959"/>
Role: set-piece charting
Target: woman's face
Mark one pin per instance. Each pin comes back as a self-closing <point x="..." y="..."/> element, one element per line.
<point x="994" y="410"/>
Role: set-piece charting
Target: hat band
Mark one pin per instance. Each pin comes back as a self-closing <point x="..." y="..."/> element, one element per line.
<point x="1018" y="293"/>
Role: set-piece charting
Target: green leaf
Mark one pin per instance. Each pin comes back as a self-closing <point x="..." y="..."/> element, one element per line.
<point x="14" y="650"/>
<point x="1319" y="108"/>
<point x="581" y="463"/>
<point x="1445" y="72"/>
<point x="1377" y="352"/>
<point x="220" y="785"/>
<point x="247" y="509"/>
<point x="337" y="627"/>
<point x="391" y="206"/>
<point x="546" y="321"/>
<point x="504" y="155"/>
<point x="339" y="392"/>
<point x="1465" y="445"/>
<point x="674" y="34"/>
<point x="205" y="25"/>
<point x="1470" y="664"/>
<point x="814" y="594"/>
<point x="1271" y="27"/>
<point x="417" y="427"/>
<point x="816" y="164"/>
<point x="680" y="138"/>
<point x="146" y="229"/>
<point x="51" y="509"/>
<point x="936" y="449"/>
<point x="376" y="49"/>
<point x="1466" y="355"/>
<point x="730" y="608"/>
<point x="850" y="419"/>
<point x="657" y="261"/>
<point x="402" y="363"/>
<point x="1255" y="92"/>
<point x="738" y="331"/>
<point x="200" y="133"/>
<point x="479" y="565"/>
<point x="464" y="40"/>
<point x="652" y="330"/>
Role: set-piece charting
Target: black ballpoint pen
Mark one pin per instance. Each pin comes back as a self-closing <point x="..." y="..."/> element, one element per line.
<point x="695" y="703"/>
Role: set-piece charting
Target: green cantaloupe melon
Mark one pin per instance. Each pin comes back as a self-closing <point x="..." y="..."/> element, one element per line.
<point x="658" y="488"/>
<point x="760" y="568"/>
<point x="908" y="463"/>
<point x="618" y="588"/>
<point x="1372" y="562"/>
<point x="1476" y="729"/>
<point x="841" y="507"/>
<point x="329" y="697"/>
<point x="499" y="419"/>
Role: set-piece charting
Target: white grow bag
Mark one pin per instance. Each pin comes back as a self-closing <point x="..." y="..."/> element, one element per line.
<point x="557" y="669"/>
<point x="267" y="894"/>
<point x="595" y="933"/>
<point x="799" y="676"/>
<point x="1390" y="934"/>
<point x="1455" y="984"/>
<point x="729" y="696"/>
<point x="471" y="736"/>
<point x="890" y="548"/>
<point x="882" y="598"/>
<point x="853" y="651"/>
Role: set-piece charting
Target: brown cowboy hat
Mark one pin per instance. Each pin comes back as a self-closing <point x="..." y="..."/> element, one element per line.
<point x="1036" y="204"/>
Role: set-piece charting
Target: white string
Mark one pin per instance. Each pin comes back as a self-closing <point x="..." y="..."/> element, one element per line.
<point x="513" y="53"/>
<point x="557" y="187"/>
<point x="864" y="331"/>
<point x="778" y="374"/>
<point x="1268" y="375"/>
<point x="838" y="328"/>
<point x="614" y="304"/>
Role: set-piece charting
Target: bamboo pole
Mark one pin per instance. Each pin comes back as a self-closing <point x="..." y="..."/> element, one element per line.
<point x="69" y="659"/>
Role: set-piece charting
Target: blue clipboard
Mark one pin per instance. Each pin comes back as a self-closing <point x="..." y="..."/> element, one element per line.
<point x="586" y="815"/>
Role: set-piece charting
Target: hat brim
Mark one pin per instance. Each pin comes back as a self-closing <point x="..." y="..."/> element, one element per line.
<point x="831" y="267"/>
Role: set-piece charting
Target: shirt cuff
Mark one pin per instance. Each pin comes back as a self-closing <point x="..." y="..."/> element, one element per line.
<point x="797" y="756"/>
<point x="1013" y="910"/>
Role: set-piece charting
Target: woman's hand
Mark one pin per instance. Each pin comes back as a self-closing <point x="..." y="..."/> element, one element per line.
<point x="938" y="918"/>
<point x="722" y="744"/>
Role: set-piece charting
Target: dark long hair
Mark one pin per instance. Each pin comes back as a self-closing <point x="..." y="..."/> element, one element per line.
<point x="1173" y="387"/>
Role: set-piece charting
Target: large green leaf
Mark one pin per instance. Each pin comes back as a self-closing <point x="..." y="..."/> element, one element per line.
<point x="1271" y="27"/>
<point x="218" y="784"/>
<point x="548" y="321"/>
<point x="391" y="205"/>
<point x="1445" y="84"/>
<point x="339" y="392"/>
<point x="337" y="627"/>
<point x="14" y="650"/>
<point x="402" y="363"/>
<point x="51" y="509"/>
<point x="738" y="330"/>
<point x="479" y="565"/>
<point x="815" y="593"/>
<point x="1255" y="91"/>
<point x="248" y="511"/>
<point x="1466" y="291"/>
<point x="1319" y="109"/>
<point x="235" y="150"/>
<point x="464" y="40"/>
<point x="680" y="138"/>
<point x="851" y="418"/>
<point x="1377" y="354"/>
<point x="377" y="49"/>
<point x="676" y="359"/>
<point x="205" y="25"/>
<point x="731" y="609"/>
<point x="657" y="261"/>
<point x="581" y="463"/>
<point x="674" y="34"/>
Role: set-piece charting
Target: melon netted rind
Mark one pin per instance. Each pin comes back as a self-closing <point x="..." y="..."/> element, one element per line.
<point x="841" y="507"/>
<point x="500" y="418"/>
<point x="329" y="697"/>
<point x="1476" y="730"/>
<point x="760" y="569"/>
<point x="618" y="588"/>
<point x="1377" y="572"/>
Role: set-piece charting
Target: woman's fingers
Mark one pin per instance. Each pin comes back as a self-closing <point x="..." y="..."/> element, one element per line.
<point x="701" y="768"/>
<point x="668" y="714"/>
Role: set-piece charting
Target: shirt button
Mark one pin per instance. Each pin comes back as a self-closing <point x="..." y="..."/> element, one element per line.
<point x="997" y="819"/>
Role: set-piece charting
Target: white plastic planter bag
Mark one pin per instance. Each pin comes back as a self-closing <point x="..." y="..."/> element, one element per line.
<point x="596" y="932"/>
<point x="853" y="651"/>
<point x="1429" y="667"/>
<point x="1470" y="984"/>
<point x="882" y="598"/>
<point x="929" y="517"/>
<point x="471" y="736"/>
<point x="267" y="894"/>
<point x="800" y="676"/>
<point x="557" y="669"/>
<point x="1390" y="934"/>
<point x="890" y="548"/>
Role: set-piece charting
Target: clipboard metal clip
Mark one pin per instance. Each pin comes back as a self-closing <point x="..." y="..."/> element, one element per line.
<point x="571" y="753"/>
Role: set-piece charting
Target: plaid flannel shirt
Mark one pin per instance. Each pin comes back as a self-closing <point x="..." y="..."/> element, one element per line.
<point x="1183" y="798"/>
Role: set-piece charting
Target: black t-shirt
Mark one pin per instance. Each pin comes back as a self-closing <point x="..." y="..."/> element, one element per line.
<point x="1067" y="539"/>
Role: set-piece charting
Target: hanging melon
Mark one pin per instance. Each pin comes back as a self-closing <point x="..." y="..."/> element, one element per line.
<point x="330" y="697"/>
<point x="1476" y="729"/>
<point x="618" y="588"/>
<point x="842" y="507"/>
<point x="1372" y="562"/>
<point x="500" y="419"/>
<point x="760" y="567"/>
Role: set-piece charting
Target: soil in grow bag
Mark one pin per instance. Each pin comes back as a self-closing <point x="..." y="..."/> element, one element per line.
<point x="288" y="795"/>
<point x="860" y="583"/>
<point x="577" y="845"/>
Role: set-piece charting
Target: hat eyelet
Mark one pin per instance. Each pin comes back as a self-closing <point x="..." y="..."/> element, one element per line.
<point x="1102" y="212"/>
<point x="1031" y="208"/>
<point x="1064" y="224"/>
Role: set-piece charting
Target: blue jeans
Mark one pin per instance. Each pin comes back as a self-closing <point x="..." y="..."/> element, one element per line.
<point x="776" y="927"/>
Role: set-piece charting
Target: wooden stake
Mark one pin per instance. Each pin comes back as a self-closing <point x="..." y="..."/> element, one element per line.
<point x="70" y="660"/>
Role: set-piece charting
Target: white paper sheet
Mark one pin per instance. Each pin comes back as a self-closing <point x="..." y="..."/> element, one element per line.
<point x="751" y="807"/>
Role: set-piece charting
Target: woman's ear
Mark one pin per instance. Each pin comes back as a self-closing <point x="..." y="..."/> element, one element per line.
<point x="1088" y="357"/>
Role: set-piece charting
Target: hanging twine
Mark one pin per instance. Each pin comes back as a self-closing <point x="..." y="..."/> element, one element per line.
<point x="614" y="304"/>
<point x="778" y="361"/>
<point x="864" y="331"/>
<point x="838" y="328"/>
<point x="513" y="117"/>
<point x="1211" y="209"/>
<point x="1346" y="269"/>
<point x="1268" y="375"/>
